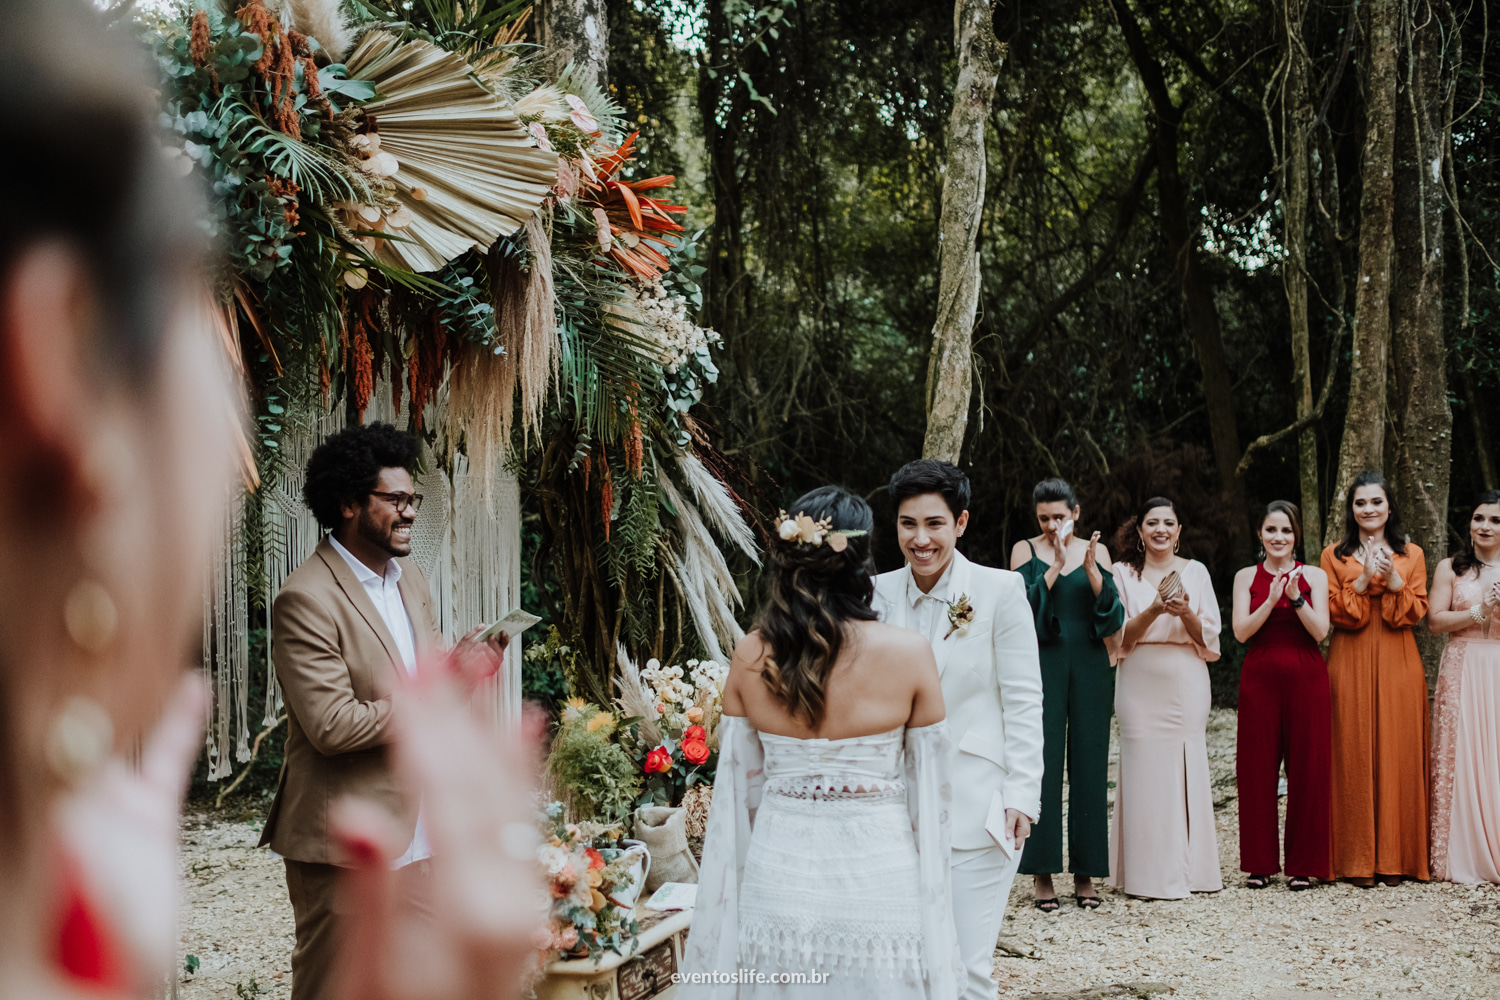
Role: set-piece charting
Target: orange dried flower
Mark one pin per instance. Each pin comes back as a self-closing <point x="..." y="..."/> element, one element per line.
<point x="198" y="41"/>
<point x="364" y="376"/>
<point x="258" y="19"/>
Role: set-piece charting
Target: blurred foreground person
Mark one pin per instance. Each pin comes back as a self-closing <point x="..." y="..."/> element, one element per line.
<point x="117" y="455"/>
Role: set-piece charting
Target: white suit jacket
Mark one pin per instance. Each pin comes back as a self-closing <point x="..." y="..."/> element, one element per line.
<point x="992" y="688"/>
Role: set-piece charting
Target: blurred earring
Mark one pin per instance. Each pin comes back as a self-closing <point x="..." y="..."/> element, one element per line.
<point x="79" y="740"/>
<point x="1176" y="545"/>
<point x="90" y="615"/>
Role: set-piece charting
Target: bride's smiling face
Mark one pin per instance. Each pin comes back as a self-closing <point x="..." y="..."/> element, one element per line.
<point x="927" y="531"/>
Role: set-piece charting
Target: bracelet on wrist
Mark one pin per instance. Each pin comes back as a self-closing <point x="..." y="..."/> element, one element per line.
<point x="1297" y="604"/>
<point x="1477" y="615"/>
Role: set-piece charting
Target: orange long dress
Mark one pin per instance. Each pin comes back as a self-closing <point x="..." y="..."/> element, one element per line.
<point x="1380" y="720"/>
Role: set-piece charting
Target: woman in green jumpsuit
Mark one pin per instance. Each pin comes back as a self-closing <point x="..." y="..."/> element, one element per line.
<point x="1078" y="614"/>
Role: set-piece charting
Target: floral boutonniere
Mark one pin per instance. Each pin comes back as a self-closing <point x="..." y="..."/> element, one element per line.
<point x="960" y="616"/>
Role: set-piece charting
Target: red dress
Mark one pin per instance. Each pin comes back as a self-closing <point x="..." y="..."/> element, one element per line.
<point x="1284" y="715"/>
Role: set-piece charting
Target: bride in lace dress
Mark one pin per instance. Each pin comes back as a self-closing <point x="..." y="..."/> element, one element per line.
<point x="825" y="865"/>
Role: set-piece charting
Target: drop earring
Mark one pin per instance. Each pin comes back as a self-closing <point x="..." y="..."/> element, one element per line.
<point x="90" y="616"/>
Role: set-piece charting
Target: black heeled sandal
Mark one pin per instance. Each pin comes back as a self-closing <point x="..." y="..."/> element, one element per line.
<point x="1257" y="881"/>
<point x="1046" y="905"/>
<point x="1297" y="883"/>
<point x="1088" y="902"/>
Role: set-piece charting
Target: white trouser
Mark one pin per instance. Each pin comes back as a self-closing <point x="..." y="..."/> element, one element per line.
<point x="981" y="889"/>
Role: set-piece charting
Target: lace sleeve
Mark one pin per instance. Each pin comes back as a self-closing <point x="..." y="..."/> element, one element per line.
<point x="713" y="941"/>
<point x="929" y="797"/>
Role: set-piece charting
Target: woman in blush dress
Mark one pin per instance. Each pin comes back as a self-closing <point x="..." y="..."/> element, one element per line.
<point x="827" y="846"/>
<point x="1077" y="615"/>
<point x="1281" y="613"/>
<point x="1466" y="705"/>
<point x="1162" y="844"/>
<point x="1377" y="590"/>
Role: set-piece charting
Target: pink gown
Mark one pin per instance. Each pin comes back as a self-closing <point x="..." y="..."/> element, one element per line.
<point x="1162" y="840"/>
<point x="1466" y="750"/>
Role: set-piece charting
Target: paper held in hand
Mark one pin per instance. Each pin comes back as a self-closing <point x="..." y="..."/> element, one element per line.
<point x="512" y="624"/>
<point x="1170" y="585"/>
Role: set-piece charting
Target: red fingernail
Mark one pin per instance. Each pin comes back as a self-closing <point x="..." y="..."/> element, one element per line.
<point x="362" y="852"/>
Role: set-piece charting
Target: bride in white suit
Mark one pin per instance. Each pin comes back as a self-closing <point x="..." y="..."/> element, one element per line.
<point x="978" y="622"/>
<point x="827" y="847"/>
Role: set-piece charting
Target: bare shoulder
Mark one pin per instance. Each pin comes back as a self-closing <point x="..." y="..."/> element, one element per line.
<point x="1101" y="556"/>
<point x="749" y="653"/>
<point x="882" y="636"/>
<point x="1020" y="554"/>
<point x="1247" y="574"/>
<point x="1444" y="570"/>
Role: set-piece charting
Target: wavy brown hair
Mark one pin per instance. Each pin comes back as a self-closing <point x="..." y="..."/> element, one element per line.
<point x="1128" y="538"/>
<point x="812" y="594"/>
<point x="1465" y="558"/>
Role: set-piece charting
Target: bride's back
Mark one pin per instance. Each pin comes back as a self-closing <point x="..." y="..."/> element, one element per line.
<point x="818" y="664"/>
<point x="884" y="677"/>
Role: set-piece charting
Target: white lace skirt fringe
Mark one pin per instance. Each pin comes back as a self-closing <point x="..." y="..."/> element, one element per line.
<point x="830" y="884"/>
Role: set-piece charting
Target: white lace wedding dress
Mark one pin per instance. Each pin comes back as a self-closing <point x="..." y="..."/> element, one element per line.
<point x="827" y="857"/>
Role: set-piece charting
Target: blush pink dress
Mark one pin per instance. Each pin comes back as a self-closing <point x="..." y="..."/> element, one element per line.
<point x="1466" y="749"/>
<point x="1162" y="840"/>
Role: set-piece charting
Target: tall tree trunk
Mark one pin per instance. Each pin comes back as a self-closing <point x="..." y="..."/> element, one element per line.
<point x="1422" y="418"/>
<point x="575" y="32"/>
<point x="1364" y="422"/>
<point x="949" y="369"/>
<point x="1297" y="123"/>
<point x="1198" y="299"/>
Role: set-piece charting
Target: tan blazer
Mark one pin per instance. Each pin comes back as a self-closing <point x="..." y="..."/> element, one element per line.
<point x="338" y="667"/>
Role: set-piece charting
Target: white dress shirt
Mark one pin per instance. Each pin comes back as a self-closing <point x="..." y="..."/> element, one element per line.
<point x="385" y="594"/>
<point x="930" y="610"/>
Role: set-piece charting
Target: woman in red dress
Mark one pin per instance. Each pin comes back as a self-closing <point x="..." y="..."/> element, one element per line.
<point x="1281" y="613"/>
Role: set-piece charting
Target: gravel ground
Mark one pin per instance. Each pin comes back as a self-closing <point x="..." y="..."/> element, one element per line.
<point x="1435" y="940"/>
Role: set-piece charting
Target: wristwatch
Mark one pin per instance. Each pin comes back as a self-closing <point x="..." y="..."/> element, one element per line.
<point x="1298" y="602"/>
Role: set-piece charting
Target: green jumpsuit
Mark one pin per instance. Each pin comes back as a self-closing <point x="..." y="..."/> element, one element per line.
<point x="1078" y="699"/>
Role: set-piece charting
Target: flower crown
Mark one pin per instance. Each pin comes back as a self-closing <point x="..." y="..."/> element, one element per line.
<point x="803" y="530"/>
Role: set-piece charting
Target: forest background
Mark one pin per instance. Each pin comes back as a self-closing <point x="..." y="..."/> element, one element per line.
<point x="1228" y="252"/>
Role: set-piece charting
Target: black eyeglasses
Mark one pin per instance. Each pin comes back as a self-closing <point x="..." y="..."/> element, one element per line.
<point x="401" y="501"/>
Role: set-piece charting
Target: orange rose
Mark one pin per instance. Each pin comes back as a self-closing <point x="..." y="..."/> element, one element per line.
<point x="658" y="761"/>
<point x="695" y="751"/>
<point x="694" y="733"/>
<point x="596" y="860"/>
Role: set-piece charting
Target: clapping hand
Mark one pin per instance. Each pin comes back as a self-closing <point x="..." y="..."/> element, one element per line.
<point x="1286" y="585"/>
<point x="484" y="904"/>
<point x="1091" y="556"/>
<point x="1490" y="599"/>
<point x="1377" y="560"/>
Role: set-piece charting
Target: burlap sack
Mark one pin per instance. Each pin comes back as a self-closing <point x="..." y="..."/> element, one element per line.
<point x="664" y="831"/>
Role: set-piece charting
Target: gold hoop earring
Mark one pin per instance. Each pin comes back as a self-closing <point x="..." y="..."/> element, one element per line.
<point x="90" y="616"/>
<point x="1176" y="545"/>
<point x="79" y="741"/>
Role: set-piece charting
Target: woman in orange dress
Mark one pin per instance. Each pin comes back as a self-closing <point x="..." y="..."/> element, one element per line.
<point x="1377" y="590"/>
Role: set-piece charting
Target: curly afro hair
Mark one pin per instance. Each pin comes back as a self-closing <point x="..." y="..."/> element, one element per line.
<point x="347" y="465"/>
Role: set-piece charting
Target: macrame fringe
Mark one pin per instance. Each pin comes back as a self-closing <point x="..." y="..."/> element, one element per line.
<point x="467" y="541"/>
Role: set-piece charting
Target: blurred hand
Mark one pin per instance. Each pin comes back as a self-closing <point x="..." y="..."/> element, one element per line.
<point x="1491" y="598"/>
<point x="1091" y="555"/>
<point x="1177" y="605"/>
<point x="118" y="833"/>
<point x="475" y="936"/>
<point x="472" y="661"/>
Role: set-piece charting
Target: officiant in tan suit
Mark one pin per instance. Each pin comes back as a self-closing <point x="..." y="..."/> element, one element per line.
<point x="346" y="626"/>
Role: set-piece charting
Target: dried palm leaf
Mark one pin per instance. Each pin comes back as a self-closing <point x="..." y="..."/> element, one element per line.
<point x="633" y="700"/>
<point x="719" y="508"/>
<point x="468" y="171"/>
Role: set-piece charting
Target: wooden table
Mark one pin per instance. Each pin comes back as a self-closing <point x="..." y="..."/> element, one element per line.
<point x="644" y="974"/>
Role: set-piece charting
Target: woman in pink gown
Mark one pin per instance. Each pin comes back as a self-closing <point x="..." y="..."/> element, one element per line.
<point x="1465" y="601"/>
<point x="1162" y="841"/>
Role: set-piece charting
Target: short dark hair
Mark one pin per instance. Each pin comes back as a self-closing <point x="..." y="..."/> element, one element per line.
<point x="1394" y="536"/>
<point x="1054" y="491"/>
<point x="346" y="466"/>
<point x="927" y="475"/>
